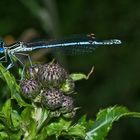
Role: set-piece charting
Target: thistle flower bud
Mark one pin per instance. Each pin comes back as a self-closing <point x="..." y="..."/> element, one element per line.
<point x="68" y="86"/>
<point x="30" y="88"/>
<point x="67" y="104"/>
<point x="52" y="74"/>
<point x="52" y="98"/>
<point x="33" y="71"/>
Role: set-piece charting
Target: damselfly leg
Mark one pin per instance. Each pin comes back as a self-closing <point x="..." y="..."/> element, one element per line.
<point x="2" y="59"/>
<point x="26" y="55"/>
<point x="9" y="65"/>
<point x="23" y="64"/>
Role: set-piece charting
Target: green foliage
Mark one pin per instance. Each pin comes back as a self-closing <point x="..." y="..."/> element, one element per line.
<point x="33" y="122"/>
<point x="117" y="69"/>
<point x="13" y="86"/>
<point x="80" y="76"/>
<point x="105" y="119"/>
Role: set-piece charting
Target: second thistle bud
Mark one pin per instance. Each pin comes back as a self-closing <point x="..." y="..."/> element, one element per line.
<point x="52" y="98"/>
<point x="67" y="104"/>
<point x="30" y="88"/>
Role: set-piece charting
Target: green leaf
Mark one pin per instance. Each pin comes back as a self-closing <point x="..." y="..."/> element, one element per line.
<point x="1" y="127"/>
<point x="77" y="131"/>
<point x="68" y="86"/>
<point x="83" y="121"/>
<point x="28" y="124"/>
<point x="13" y="86"/>
<point x="3" y="120"/>
<point x="63" y="127"/>
<point x="6" y="117"/>
<point x="6" y="110"/>
<point x="57" y="128"/>
<point x="26" y="114"/>
<point x="3" y="136"/>
<point x="15" y="136"/>
<point x="16" y="119"/>
<point x="40" y="115"/>
<point x="7" y="121"/>
<point x="104" y="121"/>
<point x="80" y="76"/>
<point x="31" y="131"/>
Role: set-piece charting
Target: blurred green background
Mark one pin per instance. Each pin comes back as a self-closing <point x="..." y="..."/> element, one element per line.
<point x="117" y="70"/>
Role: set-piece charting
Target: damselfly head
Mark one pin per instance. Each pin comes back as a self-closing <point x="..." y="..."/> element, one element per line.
<point x="1" y="46"/>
